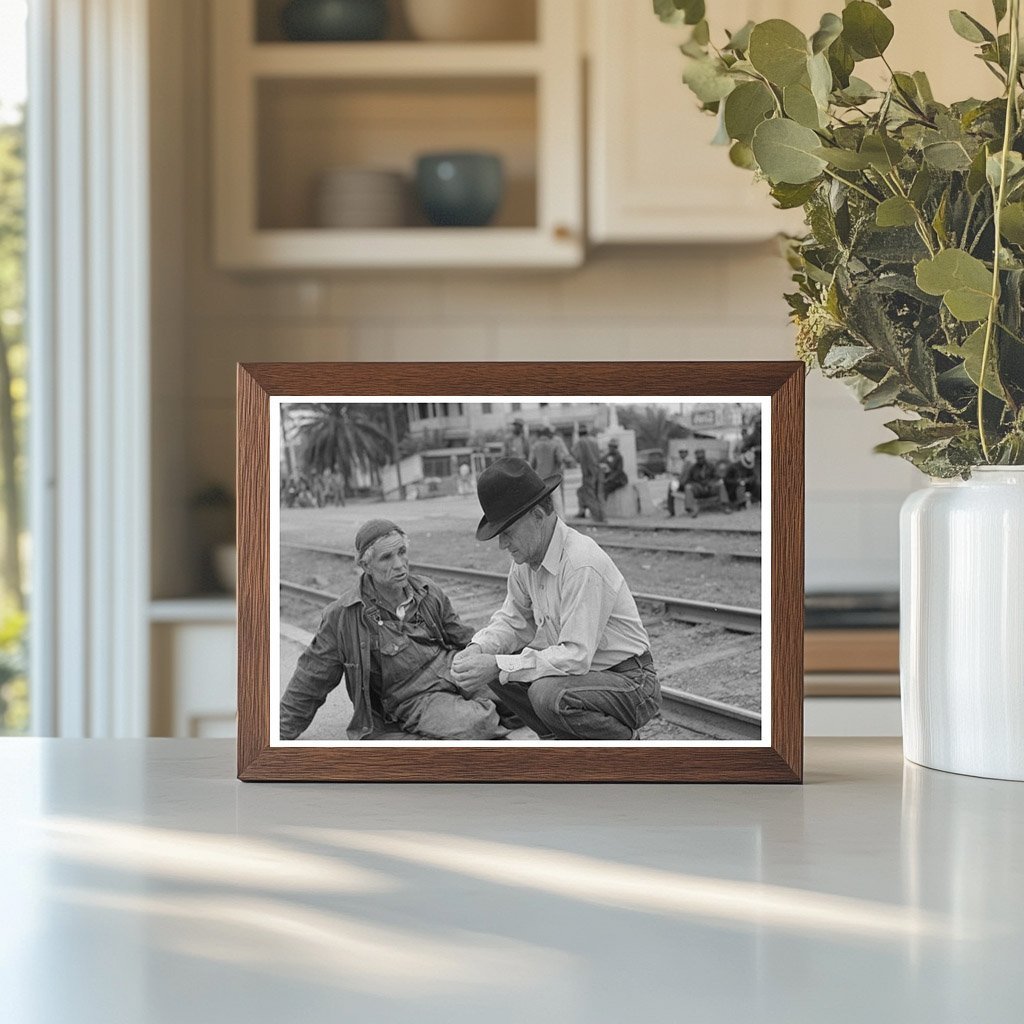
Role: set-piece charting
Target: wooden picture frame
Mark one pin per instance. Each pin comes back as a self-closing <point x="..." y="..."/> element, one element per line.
<point x="778" y="757"/>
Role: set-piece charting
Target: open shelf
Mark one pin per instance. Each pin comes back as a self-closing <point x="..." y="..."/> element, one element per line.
<point x="308" y="127"/>
<point x="519" y="16"/>
<point x="288" y="113"/>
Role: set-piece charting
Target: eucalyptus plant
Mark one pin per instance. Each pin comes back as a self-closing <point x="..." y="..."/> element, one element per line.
<point x="910" y="278"/>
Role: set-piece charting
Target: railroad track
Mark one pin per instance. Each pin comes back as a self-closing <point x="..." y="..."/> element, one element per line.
<point x="665" y="526"/>
<point x="732" y="617"/>
<point x="700" y="715"/>
<point x="738" y="556"/>
<point x="711" y="718"/>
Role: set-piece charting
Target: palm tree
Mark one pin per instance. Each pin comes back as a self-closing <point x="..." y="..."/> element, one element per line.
<point x="653" y="425"/>
<point x="338" y="437"/>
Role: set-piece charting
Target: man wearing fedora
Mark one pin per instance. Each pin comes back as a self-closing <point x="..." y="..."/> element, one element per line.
<point x="567" y="651"/>
<point x="392" y="637"/>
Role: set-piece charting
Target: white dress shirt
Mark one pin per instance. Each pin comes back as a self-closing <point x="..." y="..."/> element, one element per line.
<point x="571" y="615"/>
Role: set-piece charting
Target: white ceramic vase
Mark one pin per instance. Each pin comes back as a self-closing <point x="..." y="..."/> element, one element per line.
<point x="962" y="624"/>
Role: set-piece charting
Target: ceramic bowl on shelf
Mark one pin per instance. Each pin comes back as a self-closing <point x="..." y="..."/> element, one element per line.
<point x="470" y="20"/>
<point x="334" y="20"/>
<point x="460" y="189"/>
<point x="361" y="198"/>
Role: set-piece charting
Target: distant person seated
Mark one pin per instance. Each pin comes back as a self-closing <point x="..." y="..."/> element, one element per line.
<point x="614" y="474"/>
<point x="735" y="485"/>
<point x="392" y="637"/>
<point x="749" y="474"/>
<point x="702" y="482"/>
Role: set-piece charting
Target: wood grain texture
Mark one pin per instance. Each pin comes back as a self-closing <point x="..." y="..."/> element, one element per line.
<point x="781" y="762"/>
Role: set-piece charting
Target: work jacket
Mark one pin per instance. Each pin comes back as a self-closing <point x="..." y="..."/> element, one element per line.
<point x="342" y="648"/>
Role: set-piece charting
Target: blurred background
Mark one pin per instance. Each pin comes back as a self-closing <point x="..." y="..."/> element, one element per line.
<point x="251" y="180"/>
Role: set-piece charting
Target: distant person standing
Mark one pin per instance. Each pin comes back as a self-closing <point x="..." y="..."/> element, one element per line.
<point x="588" y="455"/>
<point x="517" y="444"/>
<point x="546" y="459"/>
<point x="676" y="486"/>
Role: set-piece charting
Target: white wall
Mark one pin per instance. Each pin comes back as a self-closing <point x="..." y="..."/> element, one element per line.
<point x="718" y="302"/>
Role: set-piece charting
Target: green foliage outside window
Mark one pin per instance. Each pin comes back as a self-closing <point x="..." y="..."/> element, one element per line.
<point x="13" y="415"/>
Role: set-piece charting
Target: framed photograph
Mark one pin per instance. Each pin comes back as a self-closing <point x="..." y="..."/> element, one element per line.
<point x="518" y="572"/>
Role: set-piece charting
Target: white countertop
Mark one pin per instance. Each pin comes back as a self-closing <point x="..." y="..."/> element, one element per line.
<point x="143" y="884"/>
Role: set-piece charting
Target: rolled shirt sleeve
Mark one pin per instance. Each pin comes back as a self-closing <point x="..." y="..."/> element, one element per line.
<point x="512" y="626"/>
<point x="585" y="605"/>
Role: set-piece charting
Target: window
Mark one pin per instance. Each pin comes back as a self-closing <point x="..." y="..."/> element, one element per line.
<point x="516" y="406"/>
<point x="424" y="410"/>
<point x="485" y="408"/>
<point x="14" y="704"/>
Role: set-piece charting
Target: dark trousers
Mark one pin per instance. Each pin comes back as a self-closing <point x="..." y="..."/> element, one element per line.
<point x="600" y="705"/>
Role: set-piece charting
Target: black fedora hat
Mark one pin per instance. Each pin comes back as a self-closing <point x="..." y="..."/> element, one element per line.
<point x="507" y="490"/>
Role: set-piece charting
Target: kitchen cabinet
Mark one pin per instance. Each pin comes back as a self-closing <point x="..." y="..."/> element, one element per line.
<point x="653" y="175"/>
<point x="287" y="113"/>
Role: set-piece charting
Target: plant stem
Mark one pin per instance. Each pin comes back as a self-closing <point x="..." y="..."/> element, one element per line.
<point x="993" y="309"/>
<point x="850" y="184"/>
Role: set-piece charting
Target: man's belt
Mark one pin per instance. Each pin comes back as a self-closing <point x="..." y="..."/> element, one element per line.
<point x="633" y="662"/>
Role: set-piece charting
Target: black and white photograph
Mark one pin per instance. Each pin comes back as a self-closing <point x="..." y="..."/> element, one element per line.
<point x="461" y="570"/>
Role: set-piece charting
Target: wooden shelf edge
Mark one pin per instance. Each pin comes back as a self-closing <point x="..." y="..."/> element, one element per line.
<point x="392" y="60"/>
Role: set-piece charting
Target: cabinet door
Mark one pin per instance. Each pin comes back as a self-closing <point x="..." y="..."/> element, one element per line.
<point x="654" y="175"/>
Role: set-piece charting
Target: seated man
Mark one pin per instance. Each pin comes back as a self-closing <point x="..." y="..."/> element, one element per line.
<point x="567" y="651"/>
<point x="392" y="637"/>
<point x="614" y="474"/>
<point x="702" y="482"/>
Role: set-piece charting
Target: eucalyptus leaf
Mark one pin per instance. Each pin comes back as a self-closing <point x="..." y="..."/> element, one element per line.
<point x="779" y="51"/>
<point x="969" y="28"/>
<point x="976" y="174"/>
<point x="829" y="30"/>
<point x="788" y="196"/>
<point x="820" y="75"/>
<point x="844" y="159"/>
<point x="963" y="281"/>
<point x="841" y="60"/>
<point x="858" y="91"/>
<point x="999" y="7"/>
<point x="676" y="12"/>
<point x="885" y="394"/>
<point x="924" y="88"/>
<point x="739" y="41"/>
<point x="800" y="105"/>
<point x="701" y="33"/>
<point x="946" y="156"/>
<point x="883" y="153"/>
<point x="745" y="108"/>
<point x="785" y="152"/>
<point x="741" y="155"/>
<point x="895" y="447"/>
<point x="923" y="431"/>
<point x="707" y="80"/>
<point x="971" y="352"/>
<point x="1011" y="226"/>
<point x="895" y="212"/>
<point x="994" y="168"/>
<point x="866" y="29"/>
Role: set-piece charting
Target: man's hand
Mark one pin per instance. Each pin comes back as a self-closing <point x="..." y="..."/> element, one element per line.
<point x="472" y="671"/>
<point x="465" y="653"/>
